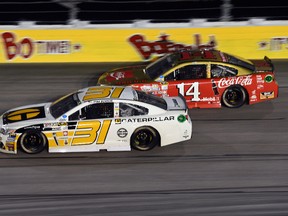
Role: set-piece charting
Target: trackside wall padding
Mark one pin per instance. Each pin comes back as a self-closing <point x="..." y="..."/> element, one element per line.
<point x="128" y="45"/>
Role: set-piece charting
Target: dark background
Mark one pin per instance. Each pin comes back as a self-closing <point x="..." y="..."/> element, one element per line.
<point x="127" y="11"/>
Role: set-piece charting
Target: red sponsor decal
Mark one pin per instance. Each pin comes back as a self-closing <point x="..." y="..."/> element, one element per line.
<point x="23" y="48"/>
<point x="119" y="75"/>
<point x="241" y="80"/>
<point x="164" y="45"/>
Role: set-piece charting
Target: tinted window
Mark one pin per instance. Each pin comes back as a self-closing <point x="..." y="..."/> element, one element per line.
<point x="222" y="71"/>
<point x="64" y="104"/>
<point x="240" y="62"/>
<point x="162" y="65"/>
<point x="74" y="116"/>
<point x="127" y="109"/>
<point x="151" y="99"/>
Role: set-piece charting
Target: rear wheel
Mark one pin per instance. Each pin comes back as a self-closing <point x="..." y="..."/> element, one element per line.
<point x="234" y="97"/>
<point x="145" y="138"/>
<point x="32" y="142"/>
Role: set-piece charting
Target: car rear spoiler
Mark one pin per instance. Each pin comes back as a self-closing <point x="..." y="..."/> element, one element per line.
<point x="183" y="98"/>
<point x="268" y="60"/>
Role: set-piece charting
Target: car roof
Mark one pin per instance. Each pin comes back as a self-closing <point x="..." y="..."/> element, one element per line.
<point x="96" y="93"/>
<point x="212" y="55"/>
<point x="203" y="55"/>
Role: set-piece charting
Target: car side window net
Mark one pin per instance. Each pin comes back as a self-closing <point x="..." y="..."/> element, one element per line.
<point x="98" y="111"/>
<point x="188" y="72"/>
<point x="222" y="71"/>
<point x="127" y="109"/>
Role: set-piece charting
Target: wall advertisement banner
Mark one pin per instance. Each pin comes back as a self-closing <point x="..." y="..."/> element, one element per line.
<point x="129" y="45"/>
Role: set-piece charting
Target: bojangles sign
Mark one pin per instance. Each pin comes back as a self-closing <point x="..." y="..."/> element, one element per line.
<point x="26" y="47"/>
<point x="164" y="45"/>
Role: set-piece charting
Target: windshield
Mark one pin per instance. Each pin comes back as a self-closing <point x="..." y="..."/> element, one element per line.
<point x="64" y="104"/>
<point x="240" y="62"/>
<point x="151" y="99"/>
<point x="157" y="68"/>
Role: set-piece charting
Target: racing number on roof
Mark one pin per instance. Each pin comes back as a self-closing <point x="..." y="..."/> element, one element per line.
<point x="103" y="92"/>
<point x="193" y="90"/>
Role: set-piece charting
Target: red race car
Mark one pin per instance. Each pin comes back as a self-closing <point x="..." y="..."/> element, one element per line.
<point x="206" y="78"/>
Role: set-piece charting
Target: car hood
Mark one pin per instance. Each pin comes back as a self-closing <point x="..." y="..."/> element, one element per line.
<point x="27" y="113"/>
<point x="125" y="76"/>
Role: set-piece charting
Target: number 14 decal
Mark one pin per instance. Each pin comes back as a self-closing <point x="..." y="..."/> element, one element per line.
<point x="193" y="91"/>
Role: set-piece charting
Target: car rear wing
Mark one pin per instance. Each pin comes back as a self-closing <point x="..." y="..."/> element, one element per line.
<point x="183" y="98"/>
<point x="263" y="65"/>
<point x="268" y="60"/>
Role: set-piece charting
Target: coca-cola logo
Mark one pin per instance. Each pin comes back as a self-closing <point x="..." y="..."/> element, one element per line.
<point x="241" y="80"/>
<point x="26" y="47"/>
<point x="164" y="45"/>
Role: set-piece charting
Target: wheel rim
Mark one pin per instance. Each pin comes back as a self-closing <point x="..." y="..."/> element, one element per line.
<point x="143" y="139"/>
<point x="33" y="142"/>
<point x="234" y="97"/>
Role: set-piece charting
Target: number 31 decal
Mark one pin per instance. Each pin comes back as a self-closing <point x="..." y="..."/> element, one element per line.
<point x="193" y="91"/>
<point x="86" y="133"/>
<point x="103" y="92"/>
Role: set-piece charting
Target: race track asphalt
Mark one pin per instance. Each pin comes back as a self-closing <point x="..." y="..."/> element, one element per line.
<point x="235" y="163"/>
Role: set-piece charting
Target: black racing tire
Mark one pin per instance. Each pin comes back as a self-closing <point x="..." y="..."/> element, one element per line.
<point x="144" y="139"/>
<point x="32" y="142"/>
<point x="234" y="96"/>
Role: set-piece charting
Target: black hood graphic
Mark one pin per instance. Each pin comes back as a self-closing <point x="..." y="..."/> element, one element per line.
<point x="24" y="114"/>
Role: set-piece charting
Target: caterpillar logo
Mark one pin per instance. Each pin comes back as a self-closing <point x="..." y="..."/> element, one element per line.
<point x="26" y="114"/>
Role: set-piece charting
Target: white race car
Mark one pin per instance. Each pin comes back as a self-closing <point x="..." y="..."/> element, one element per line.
<point x="112" y="118"/>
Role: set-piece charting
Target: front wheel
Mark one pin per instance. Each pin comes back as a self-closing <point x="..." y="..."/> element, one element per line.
<point x="144" y="138"/>
<point x="234" y="97"/>
<point x="32" y="142"/>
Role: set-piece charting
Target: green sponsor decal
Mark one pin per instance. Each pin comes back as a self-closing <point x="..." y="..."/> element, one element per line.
<point x="181" y="118"/>
<point x="268" y="78"/>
